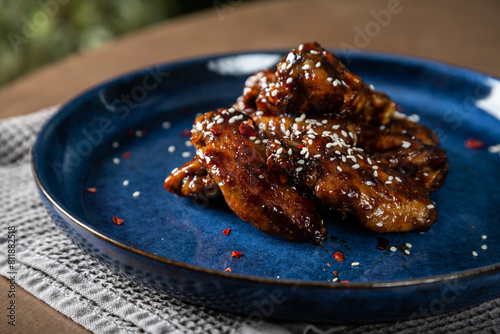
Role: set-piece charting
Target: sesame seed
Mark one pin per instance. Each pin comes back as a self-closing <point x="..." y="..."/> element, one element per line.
<point x="290" y="151"/>
<point x="171" y="149"/>
<point x="335" y="279"/>
<point x="356" y="166"/>
<point x="484" y="237"/>
<point x="307" y="155"/>
<point x="231" y="110"/>
<point x="375" y="167"/>
<point x="274" y="93"/>
<point x="298" y="169"/>
<point x="220" y="120"/>
<point x="405" y="144"/>
<point x="257" y="141"/>
<point x="484" y="247"/>
<point x="289" y="80"/>
<point x="474" y="253"/>
<point x="388" y="182"/>
<point x="301" y="162"/>
<point x="344" y="158"/>
<point x="186" y="154"/>
<point x="375" y="173"/>
<point x="318" y="64"/>
<point x="398" y="179"/>
<point x="116" y="161"/>
<point x="317" y="156"/>
<point x="408" y="245"/>
<point x="369" y="160"/>
<point x="252" y="138"/>
<point x="335" y="126"/>
<point x="407" y="252"/>
<point x="380" y="224"/>
<point x="138" y="133"/>
<point x="430" y="206"/>
<point x="280" y="150"/>
<point x="336" y="82"/>
<point x="136" y="194"/>
<point x="305" y="67"/>
<point x="116" y="144"/>
<point x="188" y="143"/>
<point x="338" y="152"/>
<point x="391" y="177"/>
<point x="166" y="125"/>
<point x="339" y="168"/>
<point x="304" y="151"/>
<point x="314" y="52"/>
<point x="329" y="79"/>
<point x="126" y="183"/>
<point x="494" y="148"/>
<point x="355" y="264"/>
<point x="393" y="249"/>
<point x="344" y="133"/>
<point x="261" y="176"/>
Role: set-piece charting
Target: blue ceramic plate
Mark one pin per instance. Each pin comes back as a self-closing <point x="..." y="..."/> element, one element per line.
<point x="124" y="137"/>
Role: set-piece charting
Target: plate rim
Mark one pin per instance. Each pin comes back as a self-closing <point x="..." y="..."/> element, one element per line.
<point x="61" y="114"/>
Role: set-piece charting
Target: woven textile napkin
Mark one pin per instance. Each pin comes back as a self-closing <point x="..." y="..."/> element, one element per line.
<point x="53" y="269"/>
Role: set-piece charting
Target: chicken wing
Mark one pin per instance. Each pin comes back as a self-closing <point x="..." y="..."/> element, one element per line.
<point x="233" y="153"/>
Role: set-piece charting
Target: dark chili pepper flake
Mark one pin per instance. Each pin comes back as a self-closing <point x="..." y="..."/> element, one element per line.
<point x="126" y="155"/>
<point x="338" y="256"/>
<point x="474" y="144"/>
<point x="186" y="133"/>
<point x="246" y="128"/>
<point x="92" y="190"/>
<point x="131" y="133"/>
<point x="117" y="220"/>
<point x="236" y="254"/>
<point x="228" y="270"/>
<point x="382" y="243"/>
<point x="226" y="231"/>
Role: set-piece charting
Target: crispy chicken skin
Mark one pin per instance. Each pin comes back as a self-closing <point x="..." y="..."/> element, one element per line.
<point x="313" y="81"/>
<point x="311" y="134"/>
<point x="227" y="144"/>
<point x="344" y="178"/>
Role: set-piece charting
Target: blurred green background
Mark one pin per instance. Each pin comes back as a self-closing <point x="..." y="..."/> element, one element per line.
<point x="34" y="33"/>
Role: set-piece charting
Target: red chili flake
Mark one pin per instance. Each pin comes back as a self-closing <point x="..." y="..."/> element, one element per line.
<point x="246" y="128"/>
<point x="215" y="131"/>
<point x="472" y="226"/>
<point x="474" y="144"/>
<point x="131" y="242"/>
<point x="328" y="264"/>
<point x="338" y="256"/>
<point x="92" y="190"/>
<point x="226" y="231"/>
<point x="126" y="155"/>
<point x="300" y="146"/>
<point x="236" y="254"/>
<point x="117" y="220"/>
<point x="345" y="281"/>
<point x="335" y="272"/>
<point x="228" y="269"/>
<point x="186" y="133"/>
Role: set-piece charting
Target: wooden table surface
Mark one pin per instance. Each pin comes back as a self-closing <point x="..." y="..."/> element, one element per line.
<point x="464" y="33"/>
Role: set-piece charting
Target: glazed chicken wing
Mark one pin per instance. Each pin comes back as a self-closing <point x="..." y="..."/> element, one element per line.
<point x="313" y="81"/>
<point x="233" y="153"/>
